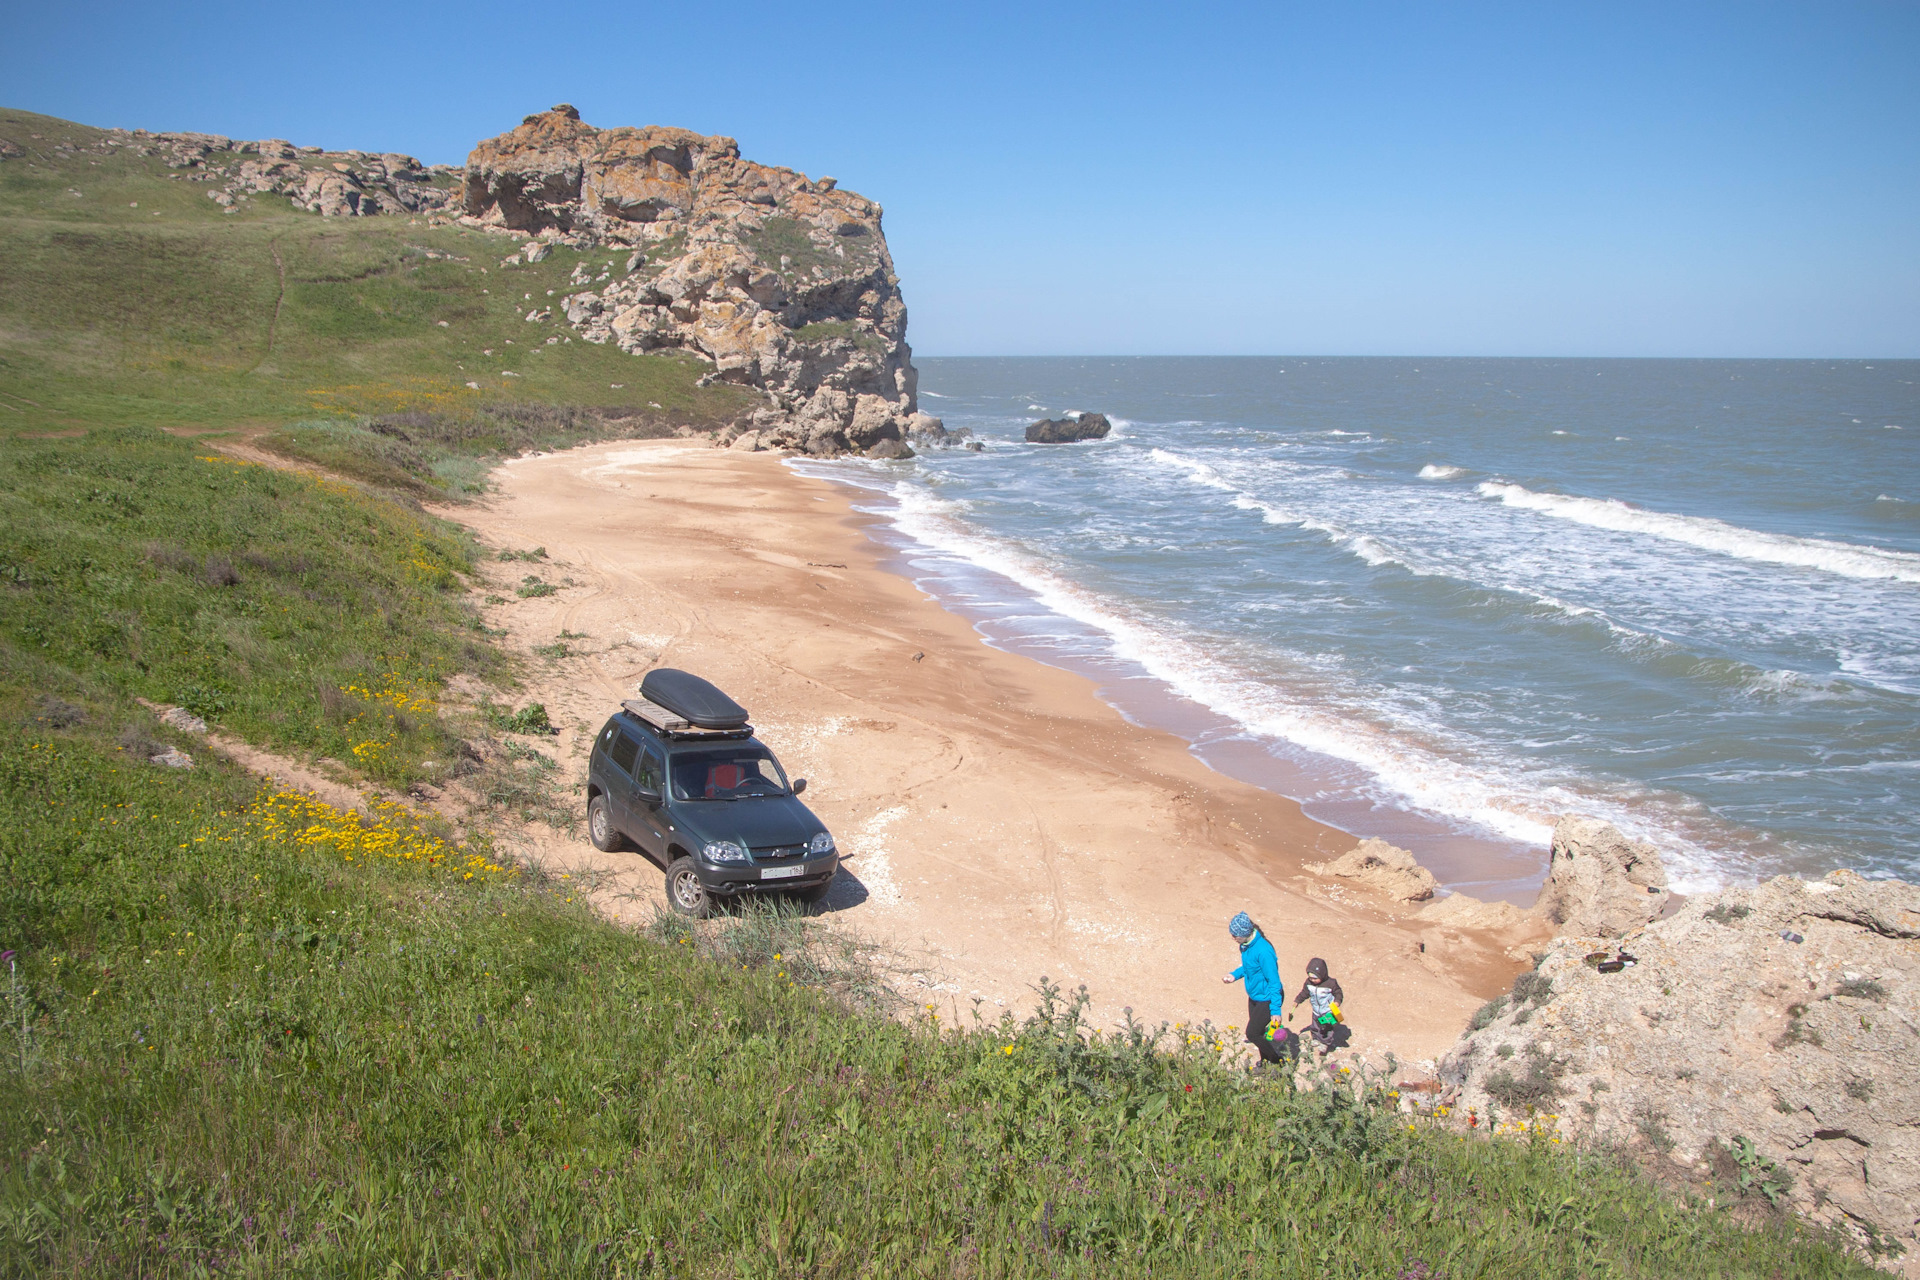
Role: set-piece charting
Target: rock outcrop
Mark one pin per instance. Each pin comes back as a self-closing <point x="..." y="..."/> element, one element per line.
<point x="1377" y="865"/>
<point x="782" y="282"/>
<point x="1599" y="883"/>
<point x="333" y="184"/>
<point x="1765" y="1038"/>
<point x="1074" y="427"/>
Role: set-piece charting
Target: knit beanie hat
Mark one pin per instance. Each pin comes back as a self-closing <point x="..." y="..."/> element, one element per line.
<point x="1317" y="969"/>
<point x="1241" y="926"/>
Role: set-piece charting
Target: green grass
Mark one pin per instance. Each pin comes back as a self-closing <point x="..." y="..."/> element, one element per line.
<point x="175" y="314"/>
<point x="303" y="615"/>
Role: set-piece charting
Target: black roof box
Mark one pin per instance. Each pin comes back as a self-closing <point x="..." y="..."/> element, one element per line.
<point x="692" y="698"/>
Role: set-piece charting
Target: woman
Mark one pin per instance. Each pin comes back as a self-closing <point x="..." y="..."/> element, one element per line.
<point x="1261" y="969"/>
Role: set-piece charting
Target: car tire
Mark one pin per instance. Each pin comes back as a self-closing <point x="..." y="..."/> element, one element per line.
<point x="685" y="893"/>
<point x="600" y="829"/>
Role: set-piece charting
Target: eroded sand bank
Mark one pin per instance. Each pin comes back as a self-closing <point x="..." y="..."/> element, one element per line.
<point x="998" y="818"/>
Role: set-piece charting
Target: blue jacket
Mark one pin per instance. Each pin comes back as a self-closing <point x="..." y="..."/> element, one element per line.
<point x="1261" y="968"/>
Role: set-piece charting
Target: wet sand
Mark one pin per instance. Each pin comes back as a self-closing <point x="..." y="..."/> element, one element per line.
<point x="1000" y="822"/>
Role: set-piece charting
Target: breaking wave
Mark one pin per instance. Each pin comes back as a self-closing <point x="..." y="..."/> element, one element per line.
<point x="1844" y="558"/>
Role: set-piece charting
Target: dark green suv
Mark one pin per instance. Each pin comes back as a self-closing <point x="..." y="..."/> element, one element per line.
<point x="678" y="774"/>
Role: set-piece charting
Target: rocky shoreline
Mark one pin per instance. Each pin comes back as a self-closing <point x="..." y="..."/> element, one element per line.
<point x="1764" y="1038"/>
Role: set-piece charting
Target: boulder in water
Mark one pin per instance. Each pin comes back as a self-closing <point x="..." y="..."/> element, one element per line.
<point x="1070" y="429"/>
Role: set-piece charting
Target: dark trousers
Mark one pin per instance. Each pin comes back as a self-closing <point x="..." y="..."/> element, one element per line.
<point x="1259" y="1013"/>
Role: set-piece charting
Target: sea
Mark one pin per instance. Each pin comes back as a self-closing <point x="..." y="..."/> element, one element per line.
<point x="1443" y="601"/>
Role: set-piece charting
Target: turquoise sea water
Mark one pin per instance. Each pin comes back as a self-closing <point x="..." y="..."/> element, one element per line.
<point x="1445" y="600"/>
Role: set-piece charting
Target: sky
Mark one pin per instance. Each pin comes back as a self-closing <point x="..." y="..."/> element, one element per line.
<point x="1603" y="179"/>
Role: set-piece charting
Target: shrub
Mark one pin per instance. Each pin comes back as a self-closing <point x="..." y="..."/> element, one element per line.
<point x="1797" y="1032"/>
<point x="530" y="719"/>
<point x="1532" y="987"/>
<point x="1534" y="1089"/>
<point x="1862" y="989"/>
<point x="1487" y="1013"/>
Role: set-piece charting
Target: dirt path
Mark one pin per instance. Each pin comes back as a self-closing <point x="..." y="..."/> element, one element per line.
<point x="996" y="816"/>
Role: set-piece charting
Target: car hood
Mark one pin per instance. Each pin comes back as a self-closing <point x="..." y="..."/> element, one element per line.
<point x="756" y="823"/>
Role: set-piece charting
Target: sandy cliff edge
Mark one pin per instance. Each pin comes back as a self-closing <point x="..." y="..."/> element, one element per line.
<point x="997" y="816"/>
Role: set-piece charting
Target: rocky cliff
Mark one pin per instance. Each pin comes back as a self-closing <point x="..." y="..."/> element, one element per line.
<point x="782" y="282"/>
<point x="1764" y="1040"/>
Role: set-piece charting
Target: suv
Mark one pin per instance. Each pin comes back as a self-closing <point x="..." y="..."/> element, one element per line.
<point x="679" y="774"/>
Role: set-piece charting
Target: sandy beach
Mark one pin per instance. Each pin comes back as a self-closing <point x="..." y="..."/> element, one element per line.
<point x="999" y="821"/>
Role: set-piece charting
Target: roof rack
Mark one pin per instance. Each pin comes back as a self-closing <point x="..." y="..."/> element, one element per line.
<point x="675" y="726"/>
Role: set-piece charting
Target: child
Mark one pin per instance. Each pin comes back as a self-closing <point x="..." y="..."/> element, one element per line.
<point x="1261" y="969"/>
<point x="1324" y="996"/>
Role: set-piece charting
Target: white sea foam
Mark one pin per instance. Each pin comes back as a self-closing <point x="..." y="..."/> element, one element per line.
<point x="1423" y="777"/>
<point x="1370" y="549"/>
<point x="1844" y="558"/>
<point x="1440" y="471"/>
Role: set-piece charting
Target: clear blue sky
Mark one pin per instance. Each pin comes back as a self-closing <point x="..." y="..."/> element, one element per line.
<point x="1614" y="178"/>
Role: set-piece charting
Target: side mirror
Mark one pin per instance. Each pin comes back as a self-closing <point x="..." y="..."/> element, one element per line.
<point x="646" y="796"/>
<point x="799" y="785"/>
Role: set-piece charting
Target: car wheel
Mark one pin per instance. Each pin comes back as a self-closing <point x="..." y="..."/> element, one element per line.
<point x="685" y="893"/>
<point x="600" y="829"/>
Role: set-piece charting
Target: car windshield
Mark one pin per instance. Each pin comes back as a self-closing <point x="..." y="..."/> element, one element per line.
<point x="737" y="774"/>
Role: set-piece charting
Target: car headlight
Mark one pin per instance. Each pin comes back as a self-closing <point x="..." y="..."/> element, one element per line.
<point x="821" y="843"/>
<point x="725" y="851"/>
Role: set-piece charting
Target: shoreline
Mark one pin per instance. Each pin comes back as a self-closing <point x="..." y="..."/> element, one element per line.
<point x="998" y="815"/>
<point x="1480" y="864"/>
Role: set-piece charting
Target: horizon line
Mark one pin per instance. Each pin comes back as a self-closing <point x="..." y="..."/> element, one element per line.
<point x="921" y="355"/>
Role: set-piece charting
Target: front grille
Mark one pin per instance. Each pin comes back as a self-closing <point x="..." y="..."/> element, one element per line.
<point x="774" y="852"/>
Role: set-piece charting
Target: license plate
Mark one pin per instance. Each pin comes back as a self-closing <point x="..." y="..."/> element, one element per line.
<point x="781" y="873"/>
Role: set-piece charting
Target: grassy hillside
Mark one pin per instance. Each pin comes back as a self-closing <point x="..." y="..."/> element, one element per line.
<point x="244" y="1034"/>
<point x="128" y="297"/>
<point x="230" y="1049"/>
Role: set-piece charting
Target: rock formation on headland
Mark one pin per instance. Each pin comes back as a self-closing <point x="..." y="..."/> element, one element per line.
<point x="1765" y="1038"/>
<point x="1070" y="429"/>
<point x="334" y="184"/>
<point x="782" y="282"/>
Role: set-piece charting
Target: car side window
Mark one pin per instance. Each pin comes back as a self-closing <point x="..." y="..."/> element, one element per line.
<point x="623" y="751"/>
<point x="647" y="772"/>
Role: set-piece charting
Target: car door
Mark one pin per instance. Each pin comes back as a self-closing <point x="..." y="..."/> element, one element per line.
<point x="649" y="823"/>
<point x="621" y="754"/>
